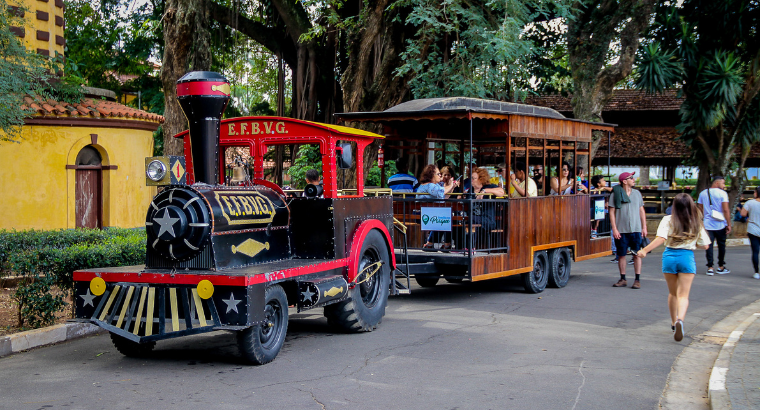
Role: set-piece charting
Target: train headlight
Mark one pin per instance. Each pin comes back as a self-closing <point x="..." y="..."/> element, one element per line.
<point x="156" y="170"/>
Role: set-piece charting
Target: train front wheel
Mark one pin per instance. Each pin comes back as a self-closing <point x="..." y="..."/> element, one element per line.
<point x="131" y="349"/>
<point x="365" y="306"/>
<point x="260" y="344"/>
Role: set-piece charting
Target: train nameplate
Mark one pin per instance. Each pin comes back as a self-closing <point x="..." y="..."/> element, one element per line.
<point x="240" y="208"/>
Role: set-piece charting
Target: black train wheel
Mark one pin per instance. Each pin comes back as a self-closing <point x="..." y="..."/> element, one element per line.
<point x="426" y="281"/>
<point x="260" y="344"/>
<point x="365" y="306"/>
<point x="131" y="349"/>
<point x="560" y="262"/>
<point x="535" y="281"/>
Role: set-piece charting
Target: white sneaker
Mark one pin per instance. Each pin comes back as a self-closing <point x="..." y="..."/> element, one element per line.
<point x="722" y="271"/>
<point x="756" y="276"/>
<point x="710" y="272"/>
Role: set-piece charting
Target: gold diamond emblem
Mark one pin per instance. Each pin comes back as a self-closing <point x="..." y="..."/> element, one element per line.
<point x="178" y="170"/>
<point x="249" y="247"/>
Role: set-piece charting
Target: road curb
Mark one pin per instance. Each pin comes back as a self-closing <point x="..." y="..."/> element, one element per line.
<point x="688" y="383"/>
<point x="717" y="390"/>
<point x="30" y="339"/>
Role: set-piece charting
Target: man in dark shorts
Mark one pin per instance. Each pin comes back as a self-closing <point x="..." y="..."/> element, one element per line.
<point x="628" y="225"/>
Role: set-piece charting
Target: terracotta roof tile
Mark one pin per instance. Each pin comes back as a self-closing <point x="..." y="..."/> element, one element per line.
<point x="88" y="107"/>
<point x="622" y="100"/>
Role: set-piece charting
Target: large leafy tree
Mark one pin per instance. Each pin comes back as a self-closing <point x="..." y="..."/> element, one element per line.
<point x="711" y="50"/>
<point x="484" y="49"/>
<point x="602" y="39"/>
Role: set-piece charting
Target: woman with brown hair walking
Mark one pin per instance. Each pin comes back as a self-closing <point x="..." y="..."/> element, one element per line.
<point x="681" y="232"/>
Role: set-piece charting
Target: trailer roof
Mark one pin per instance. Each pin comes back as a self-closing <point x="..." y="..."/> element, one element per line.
<point x="460" y="108"/>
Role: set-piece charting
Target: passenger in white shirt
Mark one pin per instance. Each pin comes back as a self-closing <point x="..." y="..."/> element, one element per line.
<point x="681" y="232"/>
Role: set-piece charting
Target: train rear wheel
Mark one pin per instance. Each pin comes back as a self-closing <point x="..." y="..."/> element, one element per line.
<point x="131" y="349"/>
<point x="426" y="281"/>
<point x="560" y="261"/>
<point x="365" y="306"/>
<point x="260" y="344"/>
<point x="535" y="281"/>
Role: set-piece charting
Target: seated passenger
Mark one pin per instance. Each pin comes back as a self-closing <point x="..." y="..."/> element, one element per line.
<point x="430" y="184"/>
<point x="538" y="176"/>
<point x="480" y="181"/>
<point x="483" y="213"/>
<point x="450" y="178"/>
<point x="518" y="180"/>
<point x="563" y="185"/>
<point x="599" y="184"/>
<point x="581" y="185"/>
<point x="402" y="182"/>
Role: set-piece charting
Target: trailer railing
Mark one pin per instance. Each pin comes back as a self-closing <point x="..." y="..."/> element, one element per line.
<point x="456" y="225"/>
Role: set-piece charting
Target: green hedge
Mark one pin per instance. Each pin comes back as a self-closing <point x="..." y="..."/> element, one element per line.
<point x="48" y="258"/>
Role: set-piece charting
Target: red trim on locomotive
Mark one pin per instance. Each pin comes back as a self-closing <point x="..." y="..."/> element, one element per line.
<point x="358" y="240"/>
<point x="217" y="278"/>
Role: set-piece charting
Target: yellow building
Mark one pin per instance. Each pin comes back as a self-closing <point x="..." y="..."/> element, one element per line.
<point x="77" y="165"/>
<point x="43" y="31"/>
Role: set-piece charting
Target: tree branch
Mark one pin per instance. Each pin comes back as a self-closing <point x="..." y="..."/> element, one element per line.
<point x="274" y="39"/>
<point x="294" y="16"/>
<point x="629" y="44"/>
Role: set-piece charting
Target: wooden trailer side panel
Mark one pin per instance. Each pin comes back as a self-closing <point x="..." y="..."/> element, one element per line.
<point x="542" y="223"/>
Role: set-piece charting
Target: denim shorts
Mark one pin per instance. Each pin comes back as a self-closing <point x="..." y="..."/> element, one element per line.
<point x="678" y="261"/>
<point x="627" y="240"/>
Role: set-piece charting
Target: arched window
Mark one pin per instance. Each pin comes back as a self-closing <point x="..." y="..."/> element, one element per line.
<point x="88" y="156"/>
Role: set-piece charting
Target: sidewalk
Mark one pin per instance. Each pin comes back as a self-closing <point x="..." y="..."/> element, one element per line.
<point x="30" y="339"/>
<point x="735" y="378"/>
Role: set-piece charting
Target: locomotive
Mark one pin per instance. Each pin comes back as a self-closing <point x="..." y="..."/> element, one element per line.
<point x="236" y="258"/>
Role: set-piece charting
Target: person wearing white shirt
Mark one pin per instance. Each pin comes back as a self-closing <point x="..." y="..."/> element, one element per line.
<point x="713" y="202"/>
<point x="681" y="232"/>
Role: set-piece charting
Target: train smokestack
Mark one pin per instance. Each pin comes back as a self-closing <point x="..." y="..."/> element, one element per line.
<point x="203" y="96"/>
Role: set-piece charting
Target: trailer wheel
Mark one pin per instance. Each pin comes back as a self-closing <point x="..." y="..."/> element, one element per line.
<point x="131" y="349"/>
<point x="365" y="306"/>
<point x="535" y="281"/>
<point x="260" y="344"/>
<point x="559" y="267"/>
<point x="426" y="281"/>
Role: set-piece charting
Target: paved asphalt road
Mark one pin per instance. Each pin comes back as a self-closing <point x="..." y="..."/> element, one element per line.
<point x="481" y="345"/>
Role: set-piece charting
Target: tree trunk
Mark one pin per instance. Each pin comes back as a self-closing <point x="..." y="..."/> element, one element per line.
<point x="369" y="82"/>
<point x="180" y="20"/>
<point x="643" y="176"/>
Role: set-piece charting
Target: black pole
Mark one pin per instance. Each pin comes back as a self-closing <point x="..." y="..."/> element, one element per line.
<point x="609" y="153"/>
<point x="470" y="161"/>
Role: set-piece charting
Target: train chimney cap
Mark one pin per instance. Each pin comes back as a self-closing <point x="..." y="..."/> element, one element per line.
<point x="202" y="76"/>
<point x="203" y="83"/>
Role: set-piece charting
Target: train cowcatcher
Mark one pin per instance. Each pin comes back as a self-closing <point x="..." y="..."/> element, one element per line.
<point x="234" y="258"/>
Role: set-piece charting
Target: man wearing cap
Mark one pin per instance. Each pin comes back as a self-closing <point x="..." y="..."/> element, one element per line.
<point x="628" y="223"/>
<point x="713" y="202"/>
